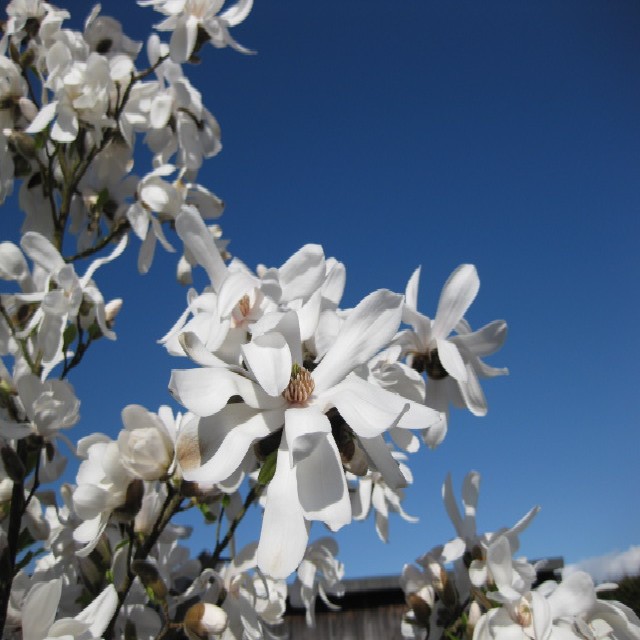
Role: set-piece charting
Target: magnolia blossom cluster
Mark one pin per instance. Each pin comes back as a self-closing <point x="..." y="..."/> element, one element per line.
<point x="473" y="587"/>
<point x="291" y="401"/>
<point x="290" y="382"/>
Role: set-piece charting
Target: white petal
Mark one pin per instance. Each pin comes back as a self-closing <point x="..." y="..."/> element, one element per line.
<point x="195" y="349"/>
<point x="333" y="286"/>
<point x="13" y="266"/>
<point x="160" y="110"/>
<point x="268" y="358"/>
<point x="42" y="251"/>
<point x="89" y="532"/>
<point x="39" y="609"/>
<point x="457" y="295"/>
<point x="485" y="341"/>
<point x="44" y="117"/>
<point x="284" y="534"/>
<point x="453" y="550"/>
<point x="369" y="328"/>
<point x="98" y="614"/>
<point x="67" y="627"/>
<point x="305" y="427"/>
<point x="478" y="573"/>
<point x="411" y="293"/>
<point x="575" y="595"/>
<point x="211" y="449"/>
<point x="196" y="237"/>
<point x="451" y="360"/>
<point x="309" y="315"/>
<point x="500" y="565"/>
<point x="370" y="410"/>
<point x="472" y="393"/>
<point x="380" y="454"/>
<point x="205" y="391"/>
<point x="237" y="13"/>
<point x="237" y="284"/>
<point x="322" y="487"/>
<point x="302" y="273"/>
<point x="470" y="494"/>
<point x="361" y="499"/>
<point x="451" y="506"/>
<point x="65" y="128"/>
<point x="421" y="326"/>
<point x="183" y="38"/>
<point x="147" y="250"/>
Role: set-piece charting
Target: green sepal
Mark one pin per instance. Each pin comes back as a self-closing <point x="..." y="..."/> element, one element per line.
<point x="69" y="335"/>
<point x="268" y="469"/>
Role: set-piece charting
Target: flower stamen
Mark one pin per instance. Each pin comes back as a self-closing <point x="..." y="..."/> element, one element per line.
<point x="300" y="387"/>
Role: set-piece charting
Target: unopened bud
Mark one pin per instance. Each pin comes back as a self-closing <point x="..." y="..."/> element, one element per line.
<point x="421" y="609"/>
<point x="27" y="108"/>
<point x="150" y="578"/>
<point x="111" y="310"/>
<point x="204" y="620"/>
<point x="22" y="143"/>
<point x="133" y="500"/>
<point x="27" y="58"/>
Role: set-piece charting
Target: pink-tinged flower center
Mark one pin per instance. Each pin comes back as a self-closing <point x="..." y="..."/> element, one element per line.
<point x="244" y="306"/>
<point x="300" y="387"/>
<point x="524" y="615"/>
<point x="241" y="311"/>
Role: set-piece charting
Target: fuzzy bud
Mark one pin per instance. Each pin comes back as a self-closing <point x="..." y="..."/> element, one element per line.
<point x="150" y="578"/>
<point x="204" y="620"/>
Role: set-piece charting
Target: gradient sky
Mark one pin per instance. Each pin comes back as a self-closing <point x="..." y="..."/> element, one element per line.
<point x="502" y="133"/>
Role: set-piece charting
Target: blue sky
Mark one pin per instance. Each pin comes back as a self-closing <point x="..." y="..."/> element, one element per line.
<point x="501" y="133"/>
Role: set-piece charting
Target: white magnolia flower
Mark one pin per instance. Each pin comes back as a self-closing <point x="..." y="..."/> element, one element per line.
<point x="484" y="558"/>
<point x="561" y="611"/>
<point x="320" y="574"/>
<point x="176" y="121"/>
<point x="34" y="18"/>
<point x="452" y="363"/>
<point x="49" y="406"/>
<point x="373" y="491"/>
<point x="102" y="481"/>
<point x="146" y="444"/>
<point x="104" y="35"/>
<point x="83" y="93"/>
<point x="309" y="481"/>
<point x="251" y="599"/>
<point x="154" y="195"/>
<point x="39" y="614"/>
<point x="60" y="294"/>
<point x="186" y="18"/>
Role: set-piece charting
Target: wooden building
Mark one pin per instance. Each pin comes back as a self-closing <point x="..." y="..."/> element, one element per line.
<point x="372" y="609"/>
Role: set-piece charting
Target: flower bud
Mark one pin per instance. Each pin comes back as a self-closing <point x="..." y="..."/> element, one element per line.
<point x="421" y="609"/>
<point x="150" y="578"/>
<point x="111" y="310"/>
<point x="204" y="620"/>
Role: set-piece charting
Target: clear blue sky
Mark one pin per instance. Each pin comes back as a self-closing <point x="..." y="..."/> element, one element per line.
<point x="501" y="133"/>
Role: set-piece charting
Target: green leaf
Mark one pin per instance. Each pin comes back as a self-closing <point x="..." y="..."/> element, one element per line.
<point x="69" y="335"/>
<point x="206" y="512"/>
<point x="103" y="196"/>
<point x="268" y="469"/>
